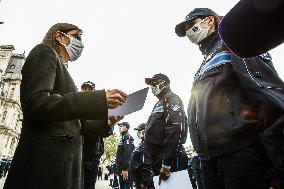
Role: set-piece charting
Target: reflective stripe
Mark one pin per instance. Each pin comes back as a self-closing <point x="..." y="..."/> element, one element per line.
<point x="158" y="109"/>
<point x="219" y="59"/>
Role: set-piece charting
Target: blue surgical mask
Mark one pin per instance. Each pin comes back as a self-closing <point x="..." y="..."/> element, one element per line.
<point x="74" y="49"/>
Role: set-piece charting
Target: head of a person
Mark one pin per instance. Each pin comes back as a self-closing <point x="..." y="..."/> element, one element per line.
<point x="123" y="126"/>
<point x="198" y="24"/>
<point x="158" y="83"/>
<point x="66" y="40"/>
<point x="88" y="86"/>
<point x="141" y="131"/>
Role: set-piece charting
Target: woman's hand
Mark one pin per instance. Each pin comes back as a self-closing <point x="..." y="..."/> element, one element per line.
<point x="115" y="97"/>
<point x="112" y="120"/>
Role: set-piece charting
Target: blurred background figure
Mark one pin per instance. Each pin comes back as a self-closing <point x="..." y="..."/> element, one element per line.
<point x="141" y="163"/>
<point x="194" y="171"/>
<point x="123" y="156"/>
<point x="93" y="147"/>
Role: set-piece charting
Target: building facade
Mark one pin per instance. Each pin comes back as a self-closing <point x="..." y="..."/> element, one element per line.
<point x="10" y="107"/>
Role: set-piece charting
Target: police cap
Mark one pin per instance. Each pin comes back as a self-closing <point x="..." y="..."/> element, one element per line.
<point x="126" y="124"/>
<point x="197" y="12"/>
<point x="140" y="127"/>
<point x="161" y="76"/>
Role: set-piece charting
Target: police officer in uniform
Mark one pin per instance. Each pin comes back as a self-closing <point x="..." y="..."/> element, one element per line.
<point x="231" y="104"/>
<point x="194" y="172"/>
<point x="93" y="146"/>
<point x="123" y="156"/>
<point x="141" y="164"/>
<point x="166" y="129"/>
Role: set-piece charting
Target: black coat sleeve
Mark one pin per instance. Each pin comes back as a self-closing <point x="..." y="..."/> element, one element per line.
<point x="174" y="115"/>
<point x="97" y="128"/>
<point x="127" y="152"/>
<point x="38" y="101"/>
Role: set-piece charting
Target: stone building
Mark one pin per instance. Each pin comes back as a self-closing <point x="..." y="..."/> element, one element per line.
<point x="10" y="107"/>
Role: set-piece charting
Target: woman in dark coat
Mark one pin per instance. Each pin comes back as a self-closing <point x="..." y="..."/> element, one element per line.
<point x="49" y="152"/>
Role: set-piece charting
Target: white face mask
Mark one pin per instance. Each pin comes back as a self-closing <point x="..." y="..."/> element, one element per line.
<point x="156" y="89"/>
<point x="140" y="134"/>
<point x="196" y="33"/>
<point x="122" y="129"/>
<point x="74" y="49"/>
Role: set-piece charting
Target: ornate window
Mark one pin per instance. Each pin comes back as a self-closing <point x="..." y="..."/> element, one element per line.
<point x="12" y="93"/>
<point x="4" y="115"/>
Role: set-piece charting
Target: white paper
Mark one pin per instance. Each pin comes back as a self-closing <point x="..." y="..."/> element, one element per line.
<point x="177" y="180"/>
<point x="133" y="103"/>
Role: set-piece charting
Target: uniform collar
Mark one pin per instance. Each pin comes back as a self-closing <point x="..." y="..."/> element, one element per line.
<point x="124" y="133"/>
<point x="206" y="45"/>
<point x="162" y="94"/>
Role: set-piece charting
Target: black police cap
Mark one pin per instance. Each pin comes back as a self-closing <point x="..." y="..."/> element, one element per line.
<point x="126" y="124"/>
<point x="140" y="127"/>
<point x="89" y="83"/>
<point x="161" y="76"/>
<point x="253" y="27"/>
<point x="197" y="12"/>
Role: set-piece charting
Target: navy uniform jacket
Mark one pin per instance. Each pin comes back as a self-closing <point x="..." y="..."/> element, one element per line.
<point x="141" y="164"/>
<point x="124" y="150"/>
<point x="140" y="157"/>
<point x="163" y="131"/>
<point x="234" y="101"/>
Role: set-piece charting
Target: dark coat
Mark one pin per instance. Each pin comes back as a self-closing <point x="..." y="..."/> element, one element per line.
<point x="49" y="152"/>
<point x="236" y="102"/>
<point x="94" y="131"/>
<point x="163" y="131"/>
<point x="141" y="166"/>
<point x="125" y="148"/>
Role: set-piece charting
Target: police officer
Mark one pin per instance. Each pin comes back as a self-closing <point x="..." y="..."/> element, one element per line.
<point x="124" y="150"/>
<point x="228" y="110"/>
<point x="93" y="146"/>
<point x="194" y="172"/>
<point x="166" y="129"/>
<point x="141" y="164"/>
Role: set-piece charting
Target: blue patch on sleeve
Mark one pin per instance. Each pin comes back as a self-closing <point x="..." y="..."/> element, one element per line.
<point x="265" y="56"/>
<point x="158" y="109"/>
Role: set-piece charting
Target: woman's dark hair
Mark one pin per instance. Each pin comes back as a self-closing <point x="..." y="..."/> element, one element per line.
<point x="50" y="39"/>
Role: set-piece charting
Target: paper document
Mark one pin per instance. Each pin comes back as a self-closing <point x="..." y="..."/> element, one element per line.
<point x="178" y="180"/>
<point x="133" y="103"/>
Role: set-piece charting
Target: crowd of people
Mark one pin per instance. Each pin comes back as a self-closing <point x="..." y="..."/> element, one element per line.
<point x="5" y="163"/>
<point x="234" y="117"/>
